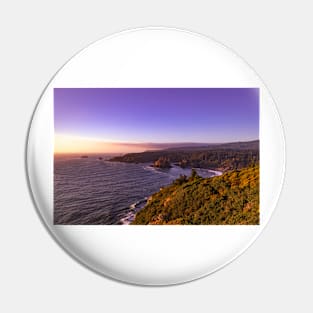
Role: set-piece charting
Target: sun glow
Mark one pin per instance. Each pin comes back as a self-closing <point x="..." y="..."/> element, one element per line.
<point x="75" y="144"/>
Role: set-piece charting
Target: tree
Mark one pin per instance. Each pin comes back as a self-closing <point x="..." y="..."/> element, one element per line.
<point x="181" y="179"/>
<point x="194" y="173"/>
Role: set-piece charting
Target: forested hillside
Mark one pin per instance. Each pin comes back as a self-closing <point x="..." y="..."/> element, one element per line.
<point x="222" y="157"/>
<point x="232" y="198"/>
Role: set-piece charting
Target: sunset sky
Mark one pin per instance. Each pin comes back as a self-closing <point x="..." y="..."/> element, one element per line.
<point x="121" y="120"/>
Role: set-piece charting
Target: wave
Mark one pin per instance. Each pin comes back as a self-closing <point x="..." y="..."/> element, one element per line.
<point x="92" y="191"/>
<point x="132" y="210"/>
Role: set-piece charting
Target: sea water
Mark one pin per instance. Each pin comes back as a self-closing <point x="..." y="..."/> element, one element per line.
<point x="94" y="190"/>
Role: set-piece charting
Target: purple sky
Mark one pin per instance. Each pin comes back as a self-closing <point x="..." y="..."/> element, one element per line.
<point x="158" y="115"/>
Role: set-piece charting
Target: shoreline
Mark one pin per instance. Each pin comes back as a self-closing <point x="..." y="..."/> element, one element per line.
<point x="218" y="173"/>
<point x="140" y="204"/>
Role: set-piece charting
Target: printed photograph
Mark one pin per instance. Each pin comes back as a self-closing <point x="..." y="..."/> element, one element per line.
<point x="156" y="156"/>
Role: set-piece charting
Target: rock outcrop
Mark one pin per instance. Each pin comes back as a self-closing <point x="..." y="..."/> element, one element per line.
<point x="162" y="162"/>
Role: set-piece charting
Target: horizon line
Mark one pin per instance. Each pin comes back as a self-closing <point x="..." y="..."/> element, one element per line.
<point x="155" y="146"/>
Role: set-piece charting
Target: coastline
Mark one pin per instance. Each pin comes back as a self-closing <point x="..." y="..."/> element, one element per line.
<point x="229" y="199"/>
<point x="139" y="205"/>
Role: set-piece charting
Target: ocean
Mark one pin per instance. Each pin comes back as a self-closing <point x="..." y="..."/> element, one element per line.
<point x="94" y="191"/>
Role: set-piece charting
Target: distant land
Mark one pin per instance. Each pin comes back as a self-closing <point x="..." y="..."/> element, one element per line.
<point x="222" y="157"/>
<point x="241" y="145"/>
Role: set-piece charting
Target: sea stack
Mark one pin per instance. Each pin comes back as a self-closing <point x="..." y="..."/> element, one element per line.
<point x="162" y="162"/>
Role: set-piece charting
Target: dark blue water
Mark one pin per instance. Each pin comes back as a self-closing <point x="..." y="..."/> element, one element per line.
<point x="93" y="191"/>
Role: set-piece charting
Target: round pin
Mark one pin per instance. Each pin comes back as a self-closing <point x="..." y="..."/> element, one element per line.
<point x="155" y="156"/>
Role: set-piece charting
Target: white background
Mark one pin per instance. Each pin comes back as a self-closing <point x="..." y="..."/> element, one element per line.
<point x="37" y="37"/>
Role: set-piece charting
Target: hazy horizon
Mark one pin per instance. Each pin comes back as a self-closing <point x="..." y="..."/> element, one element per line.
<point x="141" y="147"/>
<point x="124" y="120"/>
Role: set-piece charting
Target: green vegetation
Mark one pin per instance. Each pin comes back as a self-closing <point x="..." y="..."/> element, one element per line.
<point x="232" y="198"/>
<point x="224" y="157"/>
